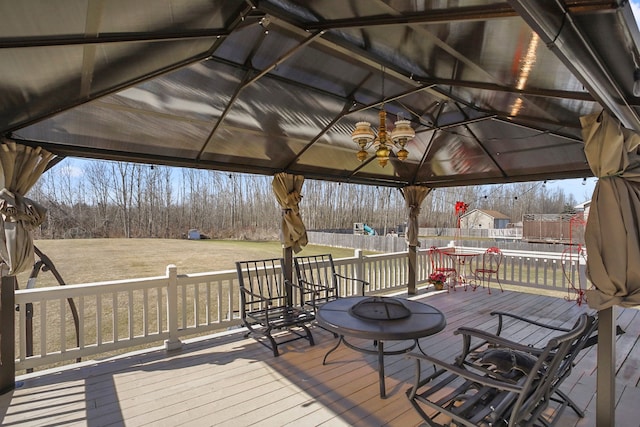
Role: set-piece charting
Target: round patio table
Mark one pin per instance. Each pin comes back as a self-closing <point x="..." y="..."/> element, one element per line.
<point x="379" y="319"/>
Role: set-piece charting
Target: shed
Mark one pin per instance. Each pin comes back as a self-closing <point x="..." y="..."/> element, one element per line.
<point x="484" y="219"/>
<point x="584" y="207"/>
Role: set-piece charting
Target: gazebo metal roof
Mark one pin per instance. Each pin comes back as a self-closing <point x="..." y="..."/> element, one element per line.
<point x="494" y="90"/>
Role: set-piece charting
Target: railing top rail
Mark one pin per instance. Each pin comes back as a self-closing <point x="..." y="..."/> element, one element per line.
<point x="67" y="291"/>
<point x="513" y="253"/>
<point x="209" y="275"/>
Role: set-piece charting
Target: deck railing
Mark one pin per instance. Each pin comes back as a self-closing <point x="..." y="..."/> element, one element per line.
<point x="131" y="314"/>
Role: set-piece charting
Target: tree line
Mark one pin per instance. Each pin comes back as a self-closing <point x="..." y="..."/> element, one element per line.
<point x="120" y="199"/>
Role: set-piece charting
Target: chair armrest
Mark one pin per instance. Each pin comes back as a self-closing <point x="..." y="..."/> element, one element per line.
<point x="295" y="285"/>
<point x="310" y="288"/>
<point x="464" y="373"/>
<point x="364" y="282"/>
<point x="502" y="314"/>
<point x="492" y="339"/>
<point x="315" y="290"/>
<point x="307" y="286"/>
<point x="257" y="297"/>
<point x="353" y="279"/>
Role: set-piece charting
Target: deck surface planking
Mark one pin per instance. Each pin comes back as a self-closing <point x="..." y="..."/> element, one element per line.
<point x="229" y="380"/>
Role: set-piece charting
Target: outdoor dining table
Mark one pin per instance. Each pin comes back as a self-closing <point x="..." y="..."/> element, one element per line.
<point x="379" y="319"/>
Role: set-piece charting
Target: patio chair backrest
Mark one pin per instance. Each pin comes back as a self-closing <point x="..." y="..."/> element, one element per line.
<point x="317" y="269"/>
<point x="491" y="260"/>
<point x="550" y="370"/>
<point x="440" y="261"/>
<point x="320" y="283"/>
<point x="260" y="279"/>
<point x="566" y="365"/>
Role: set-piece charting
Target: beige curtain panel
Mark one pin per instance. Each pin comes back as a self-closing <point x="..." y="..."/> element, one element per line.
<point x="612" y="234"/>
<point x="414" y="195"/>
<point x="287" y="189"/>
<point x="21" y="168"/>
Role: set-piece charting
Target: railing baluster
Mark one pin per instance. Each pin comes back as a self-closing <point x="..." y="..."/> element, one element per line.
<point x="207" y="306"/>
<point x="183" y="306"/>
<point x="130" y="314"/>
<point x="159" y="310"/>
<point x="219" y="302"/>
<point x="81" y="321"/>
<point x="196" y="305"/>
<point x="145" y="312"/>
<point x="99" y="319"/>
<point x="63" y="325"/>
<point x="114" y="316"/>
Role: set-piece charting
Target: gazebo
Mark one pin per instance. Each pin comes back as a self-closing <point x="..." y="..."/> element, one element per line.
<point x="480" y="92"/>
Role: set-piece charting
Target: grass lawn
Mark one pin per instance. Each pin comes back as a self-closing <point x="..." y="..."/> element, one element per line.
<point x="98" y="260"/>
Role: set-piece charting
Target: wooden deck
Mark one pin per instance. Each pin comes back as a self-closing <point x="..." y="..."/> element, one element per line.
<point x="227" y="380"/>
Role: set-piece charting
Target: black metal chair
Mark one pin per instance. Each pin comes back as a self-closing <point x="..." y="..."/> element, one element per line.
<point x="506" y="383"/>
<point x="320" y="283"/>
<point x="267" y="303"/>
<point x="590" y="338"/>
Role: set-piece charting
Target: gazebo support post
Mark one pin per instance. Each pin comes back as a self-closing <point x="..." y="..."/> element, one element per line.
<point x="293" y="234"/>
<point x="413" y="260"/>
<point x="606" y="374"/>
<point x="413" y="196"/>
<point x="7" y="334"/>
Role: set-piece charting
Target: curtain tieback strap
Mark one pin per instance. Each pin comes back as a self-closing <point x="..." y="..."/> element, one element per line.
<point x="14" y="207"/>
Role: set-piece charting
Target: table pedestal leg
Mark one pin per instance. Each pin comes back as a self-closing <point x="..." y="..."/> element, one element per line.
<point x="324" y="361"/>
<point x="379" y="344"/>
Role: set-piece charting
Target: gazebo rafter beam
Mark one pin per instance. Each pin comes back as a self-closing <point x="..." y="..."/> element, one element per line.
<point x="108" y="38"/>
<point x="529" y="91"/>
<point x="445" y="16"/>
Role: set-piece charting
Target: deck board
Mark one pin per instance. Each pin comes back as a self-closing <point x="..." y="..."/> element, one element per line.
<point x="229" y="380"/>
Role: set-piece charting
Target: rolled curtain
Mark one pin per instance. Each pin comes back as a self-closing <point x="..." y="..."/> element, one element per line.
<point x="612" y="234"/>
<point x="414" y="195"/>
<point x="21" y="168"/>
<point x="287" y="189"/>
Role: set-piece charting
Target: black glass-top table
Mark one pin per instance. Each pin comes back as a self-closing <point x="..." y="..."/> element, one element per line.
<point x="379" y="319"/>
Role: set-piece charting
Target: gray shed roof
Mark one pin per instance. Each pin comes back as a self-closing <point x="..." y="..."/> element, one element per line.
<point x="494" y="90"/>
<point x="491" y="213"/>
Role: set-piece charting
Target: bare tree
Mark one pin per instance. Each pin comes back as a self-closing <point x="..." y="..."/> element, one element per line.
<point x="155" y="201"/>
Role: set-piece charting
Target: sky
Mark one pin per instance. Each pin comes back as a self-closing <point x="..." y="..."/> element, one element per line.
<point x="582" y="190"/>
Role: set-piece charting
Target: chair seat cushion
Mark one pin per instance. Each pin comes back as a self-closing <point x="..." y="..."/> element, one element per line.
<point x="506" y="361"/>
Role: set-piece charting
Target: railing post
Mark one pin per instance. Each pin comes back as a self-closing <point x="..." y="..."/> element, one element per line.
<point x="359" y="265"/>
<point x="173" y="343"/>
